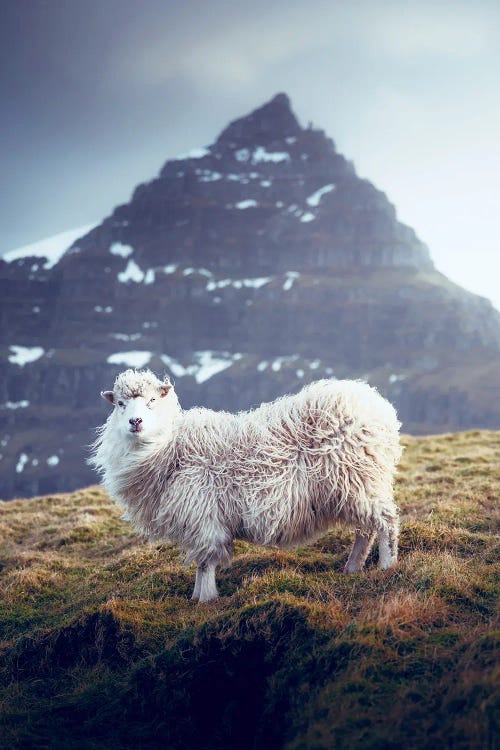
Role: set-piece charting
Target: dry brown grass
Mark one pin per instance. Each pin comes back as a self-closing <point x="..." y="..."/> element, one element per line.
<point x="84" y="601"/>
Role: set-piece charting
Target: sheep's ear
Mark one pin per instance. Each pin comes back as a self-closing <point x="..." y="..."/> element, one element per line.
<point x="108" y="396"/>
<point x="164" y="389"/>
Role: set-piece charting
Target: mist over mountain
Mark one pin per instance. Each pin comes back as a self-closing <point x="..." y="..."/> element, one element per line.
<point x="244" y="270"/>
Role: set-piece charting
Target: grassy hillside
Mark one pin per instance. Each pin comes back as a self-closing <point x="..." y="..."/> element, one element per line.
<point x="101" y="646"/>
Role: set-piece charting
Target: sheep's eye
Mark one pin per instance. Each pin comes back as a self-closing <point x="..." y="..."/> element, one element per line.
<point x="151" y="401"/>
<point x="120" y="403"/>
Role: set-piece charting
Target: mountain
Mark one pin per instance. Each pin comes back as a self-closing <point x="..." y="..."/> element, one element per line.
<point x="244" y="269"/>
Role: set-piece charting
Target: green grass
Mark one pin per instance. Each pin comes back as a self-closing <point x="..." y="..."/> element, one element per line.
<point x="101" y="646"/>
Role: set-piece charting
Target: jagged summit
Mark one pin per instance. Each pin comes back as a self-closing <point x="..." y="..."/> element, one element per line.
<point x="265" y="197"/>
<point x="273" y="120"/>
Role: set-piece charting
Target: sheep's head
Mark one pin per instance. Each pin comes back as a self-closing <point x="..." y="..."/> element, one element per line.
<point x="143" y="404"/>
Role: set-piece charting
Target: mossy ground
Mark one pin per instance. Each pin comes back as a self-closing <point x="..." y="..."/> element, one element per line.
<point x="101" y="646"/>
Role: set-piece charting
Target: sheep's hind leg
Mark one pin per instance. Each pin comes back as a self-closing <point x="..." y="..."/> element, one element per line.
<point x="359" y="552"/>
<point x="388" y="544"/>
<point x="197" y="583"/>
<point x="205" y="587"/>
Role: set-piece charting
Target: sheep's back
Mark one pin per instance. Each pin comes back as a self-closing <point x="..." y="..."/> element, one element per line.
<point x="301" y="458"/>
<point x="285" y="471"/>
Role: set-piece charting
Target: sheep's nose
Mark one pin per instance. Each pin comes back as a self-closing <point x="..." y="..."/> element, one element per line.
<point x="135" y="421"/>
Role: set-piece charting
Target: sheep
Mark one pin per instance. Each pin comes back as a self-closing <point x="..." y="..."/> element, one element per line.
<point x="279" y="475"/>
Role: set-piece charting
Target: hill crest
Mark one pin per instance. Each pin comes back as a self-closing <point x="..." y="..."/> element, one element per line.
<point x="100" y="641"/>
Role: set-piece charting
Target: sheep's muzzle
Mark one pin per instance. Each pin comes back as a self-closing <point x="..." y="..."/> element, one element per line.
<point x="135" y="424"/>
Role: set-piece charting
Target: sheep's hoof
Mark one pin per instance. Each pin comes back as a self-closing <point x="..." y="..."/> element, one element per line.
<point x="209" y="598"/>
<point x="386" y="565"/>
<point x="351" y="569"/>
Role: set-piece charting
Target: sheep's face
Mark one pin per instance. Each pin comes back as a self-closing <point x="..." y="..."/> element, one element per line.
<point x="143" y="406"/>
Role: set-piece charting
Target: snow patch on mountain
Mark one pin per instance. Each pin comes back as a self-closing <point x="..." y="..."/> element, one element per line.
<point x="21" y="463"/>
<point x="23" y="355"/>
<point x="314" y="199"/>
<point x="248" y="203"/>
<point x="206" y="364"/>
<point x="17" y="404"/>
<point x="131" y="273"/>
<point x="130" y="359"/>
<point x="52" y="248"/>
<point x="254" y="283"/>
<point x="260" y="154"/>
<point x="195" y="153"/>
<point x="126" y="336"/>
<point x="206" y="175"/>
<point x="117" y="248"/>
<point x="290" y="279"/>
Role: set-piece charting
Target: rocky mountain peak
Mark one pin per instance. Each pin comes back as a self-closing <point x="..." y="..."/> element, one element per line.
<point x="244" y="270"/>
<point x="272" y="121"/>
<point x="285" y="193"/>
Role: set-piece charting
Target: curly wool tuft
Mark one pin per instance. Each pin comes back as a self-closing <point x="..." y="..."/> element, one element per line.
<point x="133" y="383"/>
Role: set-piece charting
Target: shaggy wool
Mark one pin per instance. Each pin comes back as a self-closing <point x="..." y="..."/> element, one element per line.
<point x="281" y="474"/>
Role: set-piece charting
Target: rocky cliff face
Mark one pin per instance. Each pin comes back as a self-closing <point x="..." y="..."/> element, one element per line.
<point x="244" y="270"/>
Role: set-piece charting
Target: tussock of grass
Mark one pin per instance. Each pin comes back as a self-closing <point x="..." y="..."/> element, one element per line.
<point x="101" y="642"/>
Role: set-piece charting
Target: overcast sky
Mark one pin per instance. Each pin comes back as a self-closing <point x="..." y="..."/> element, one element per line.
<point x="97" y="95"/>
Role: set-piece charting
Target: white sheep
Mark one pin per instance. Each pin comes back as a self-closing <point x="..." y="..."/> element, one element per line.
<point x="279" y="475"/>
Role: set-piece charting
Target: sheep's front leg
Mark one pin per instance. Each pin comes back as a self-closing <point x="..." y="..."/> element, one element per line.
<point x="197" y="583"/>
<point x="388" y="544"/>
<point x="360" y="550"/>
<point x="205" y="587"/>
